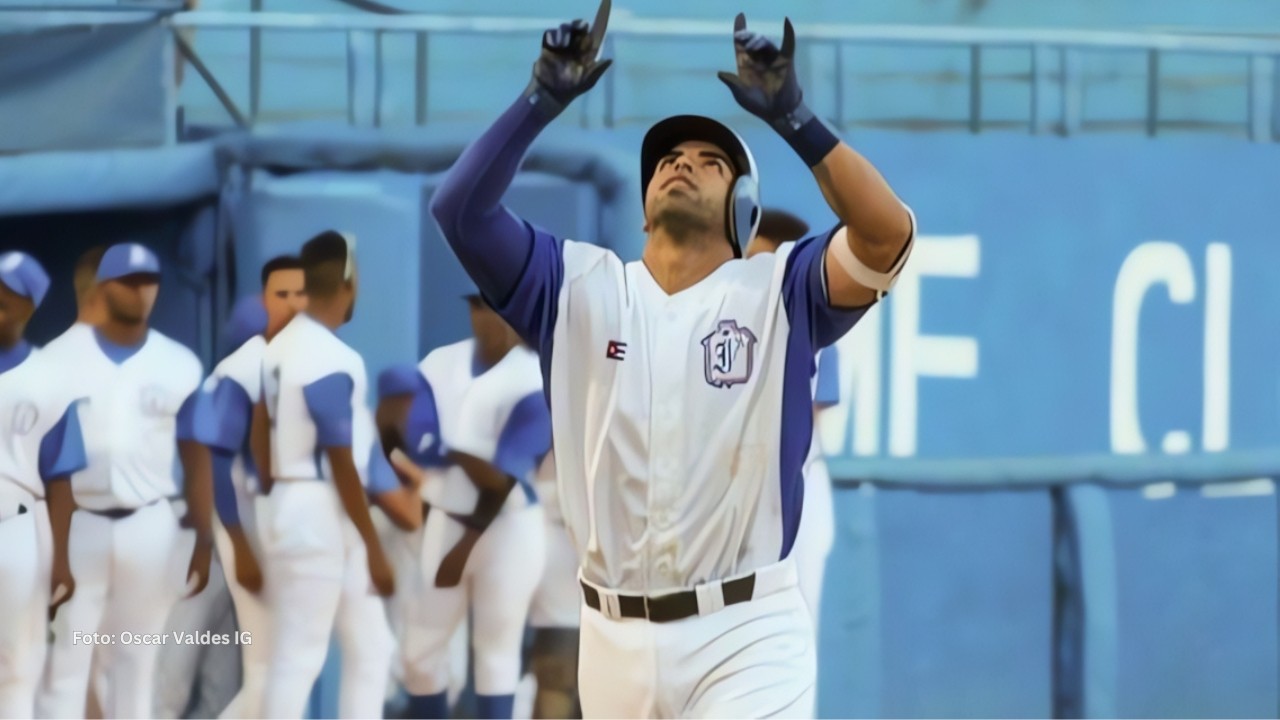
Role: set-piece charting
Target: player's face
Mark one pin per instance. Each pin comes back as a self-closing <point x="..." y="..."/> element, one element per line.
<point x="130" y="299"/>
<point x="689" y="187"/>
<point x="15" y="311"/>
<point x="761" y="244"/>
<point x="284" y="296"/>
<point x="494" y="337"/>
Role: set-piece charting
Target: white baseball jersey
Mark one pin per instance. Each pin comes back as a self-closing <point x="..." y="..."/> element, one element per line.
<point x="309" y="374"/>
<point x="681" y="422"/>
<point x="40" y="434"/>
<point x="134" y="404"/>
<point x="498" y="415"/>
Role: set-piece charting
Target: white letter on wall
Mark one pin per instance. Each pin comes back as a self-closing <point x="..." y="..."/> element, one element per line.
<point x="1217" y="347"/>
<point x="1149" y="264"/>
<point x="914" y="355"/>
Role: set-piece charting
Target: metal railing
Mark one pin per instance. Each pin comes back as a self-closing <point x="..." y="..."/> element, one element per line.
<point x="1061" y="86"/>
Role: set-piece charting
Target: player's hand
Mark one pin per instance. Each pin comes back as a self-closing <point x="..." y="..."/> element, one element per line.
<point x="248" y="573"/>
<point x="766" y="85"/>
<point x="569" y="64"/>
<point x="384" y="580"/>
<point x="409" y="472"/>
<point x="198" y="569"/>
<point x="61" y="586"/>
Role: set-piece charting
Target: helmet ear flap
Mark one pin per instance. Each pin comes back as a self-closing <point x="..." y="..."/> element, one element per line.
<point x="744" y="211"/>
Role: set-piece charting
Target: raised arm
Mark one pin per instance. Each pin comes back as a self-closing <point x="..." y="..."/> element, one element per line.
<point x="492" y="244"/>
<point x="865" y="256"/>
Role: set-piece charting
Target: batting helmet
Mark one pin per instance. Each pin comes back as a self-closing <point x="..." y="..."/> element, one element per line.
<point x="742" y="208"/>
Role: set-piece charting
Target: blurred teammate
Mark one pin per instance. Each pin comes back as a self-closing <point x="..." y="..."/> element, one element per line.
<point x="817" y="531"/>
<point x="681" y="385"/>
<point x="39" y="444"/>
<point x="320" y="546"/>
<point x="555" y="612"/>
<point x="223" y="424"/>
<point x="482" y="540"/>
<point x="114" y="562"/>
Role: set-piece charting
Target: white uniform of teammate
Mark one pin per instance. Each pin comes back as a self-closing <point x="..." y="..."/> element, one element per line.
<point x="558" y="600"/>
<point x="136" y="405"/>
<point x="817" y="531"/>
<point x="315" y="561"/>
<point x="223" y="421"/>
<point x="39" y="441"/>
<point x="498" y="416"/>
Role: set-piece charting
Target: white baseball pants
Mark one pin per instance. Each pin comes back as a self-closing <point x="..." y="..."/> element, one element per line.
<point x="498" y="583"/>
<point x="752" y="659"/>
<point x="129" y="574"/>
<point x="26" y="545"/>
<point x="316" y="580"/>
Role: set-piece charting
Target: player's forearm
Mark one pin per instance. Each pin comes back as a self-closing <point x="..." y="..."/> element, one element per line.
<point x="491" y="243"/>
<point x="485" y="476"/>
<point x="224" y="492"/>
<point x="61" y="504"/>
<point x="197" y="487"/>
<point x="351" y="492"/>
<point x="878" y="224"/>
<point x="260" y="445"/>
<point x="403" y="506"/>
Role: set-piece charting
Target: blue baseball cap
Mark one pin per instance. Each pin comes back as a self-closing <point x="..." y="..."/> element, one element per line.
<point x="22" y="274"/>
<point x="401" y="379"/>
<point x="248" y="318"/>
<point x="127" y="259"/>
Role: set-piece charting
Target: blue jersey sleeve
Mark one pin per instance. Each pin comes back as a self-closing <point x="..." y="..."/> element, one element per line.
<point x="224" y="491"/>
<point x="828" y="386"/>
<point x="804" y="290"/>
<point x="381" y="477"/>
<point x="534" y="302"/>
<point x="222" y="416"/>
<point x="422" y="430"/>
<point x="62" y="448"/>
<point x="329" y="403"/>
<point x="187" y="417"/>
<point x="525" y="439"/>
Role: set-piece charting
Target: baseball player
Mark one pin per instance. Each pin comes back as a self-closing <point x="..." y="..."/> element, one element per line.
<point x="320" y="545"/>
<point x="39" y="444"/>
<point x="680" y="384"/>
<point x="113" y="558"/>
<point x="482" y="541"/>
<point x="817" y="531"/>
<point x="222" y="423"/>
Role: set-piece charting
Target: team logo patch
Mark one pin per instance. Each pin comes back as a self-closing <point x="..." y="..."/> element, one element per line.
<point x="728" y="354"/>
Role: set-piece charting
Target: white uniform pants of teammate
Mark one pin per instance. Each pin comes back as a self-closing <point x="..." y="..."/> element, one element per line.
<point x="317" y="580"/>
<point x="498" y="584"/>
<point x="816" y="535"/>
<point x="25" y="555"/>
<point x="129" y="573"/>
<point x="748" y="660"/>
<point x="252" y="617"/>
